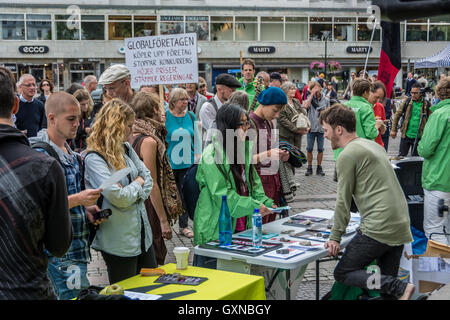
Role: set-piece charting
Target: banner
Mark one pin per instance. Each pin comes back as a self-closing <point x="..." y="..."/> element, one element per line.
<point x="167" y="59"/>
<point x="390" y="56"/>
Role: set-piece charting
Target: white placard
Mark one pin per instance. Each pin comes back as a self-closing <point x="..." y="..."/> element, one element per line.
<point x="168" y="59"/>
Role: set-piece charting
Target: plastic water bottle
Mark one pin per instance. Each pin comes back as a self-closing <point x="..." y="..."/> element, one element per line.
<point x="225" y="228"/>
<point x="257" y="229"/>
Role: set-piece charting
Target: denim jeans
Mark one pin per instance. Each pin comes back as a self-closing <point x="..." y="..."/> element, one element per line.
<point x="360" y="252"/>
<point x="68" y="277"/>
<point x="310" y="139"/>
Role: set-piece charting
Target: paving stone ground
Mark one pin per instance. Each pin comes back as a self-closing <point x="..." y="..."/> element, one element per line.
<point x="315" y="192"/>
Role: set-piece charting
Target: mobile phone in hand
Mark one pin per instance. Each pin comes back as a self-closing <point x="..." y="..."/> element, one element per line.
<point x="105" y="213"/>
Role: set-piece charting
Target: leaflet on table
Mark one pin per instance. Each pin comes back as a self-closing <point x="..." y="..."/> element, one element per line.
<point x="141" y="296"/>
<point x="285" y="256"/>
<point x="279" y="209"/>
<point x="433" y="264"/>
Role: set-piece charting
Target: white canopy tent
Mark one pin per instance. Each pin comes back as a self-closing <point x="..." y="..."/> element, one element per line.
<point x="438" y="60"/>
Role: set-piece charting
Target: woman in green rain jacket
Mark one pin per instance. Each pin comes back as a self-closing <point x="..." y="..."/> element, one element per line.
<point x="237" y="179"/>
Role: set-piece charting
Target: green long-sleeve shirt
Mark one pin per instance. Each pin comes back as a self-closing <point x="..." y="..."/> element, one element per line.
<point x="365" y="120"/>
<point x="434" y="147"/>
<point x="364" y="172"/>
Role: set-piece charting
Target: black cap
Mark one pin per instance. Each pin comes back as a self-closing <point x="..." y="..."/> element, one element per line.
<point x="228" y="80"/>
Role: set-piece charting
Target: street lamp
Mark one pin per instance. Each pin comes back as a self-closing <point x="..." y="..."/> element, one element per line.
<point x="326" y="34"/>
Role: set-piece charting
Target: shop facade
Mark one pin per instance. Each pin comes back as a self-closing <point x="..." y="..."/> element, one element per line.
<point x="51" y="42"/>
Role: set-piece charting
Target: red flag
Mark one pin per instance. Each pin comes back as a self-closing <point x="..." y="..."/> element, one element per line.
<point x="390" y="56"/>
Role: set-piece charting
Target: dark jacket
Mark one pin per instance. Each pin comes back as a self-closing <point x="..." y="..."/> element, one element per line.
<point x="408" y="86"/>
<point x="34" y="214"/>
<point x="31" y="117"/>
<point x="398" y="114"/>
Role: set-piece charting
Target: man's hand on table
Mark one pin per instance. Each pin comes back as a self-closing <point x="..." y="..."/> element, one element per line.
<point x="333" y="248"/>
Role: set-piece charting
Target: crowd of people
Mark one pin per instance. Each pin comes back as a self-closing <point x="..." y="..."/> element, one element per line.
<point x="242" y="141"/>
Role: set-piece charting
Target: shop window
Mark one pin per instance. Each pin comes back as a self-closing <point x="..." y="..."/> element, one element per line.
<point x="67" y="28"/>
<point x="39" y="27"/>
<point x="364" y="32"/>
<point x="144" y="26"/>
<point x="296" y="29"/>
<point x="198" y="25"/>
<point x="171" y="24"/>
<point x="272" y="28"/>
<point x="246" y="28"/>
<point x="344" y="29"/>
<point x="119" y="27"/>
<point x="221" y="28"/>
<point x="440" y="28"/>
<point x="318" y="27"/>
<point x="92" y="27"/>
<point x="12" y="27"/>
<point x="416" y="30"/>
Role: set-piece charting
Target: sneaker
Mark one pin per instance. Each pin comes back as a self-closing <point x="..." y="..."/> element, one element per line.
<point x="320" y="171"/>
<point x="309" y="171"/>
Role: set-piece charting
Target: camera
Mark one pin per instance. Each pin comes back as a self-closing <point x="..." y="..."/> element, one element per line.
<point x="424" y="91"/>
<point x="105" y="213"/>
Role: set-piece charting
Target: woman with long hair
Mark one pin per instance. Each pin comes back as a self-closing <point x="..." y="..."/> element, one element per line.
<point x="226" y="169"/>
<point x="184" y="144"/>
<point x="149" y="141"/>
<point x="86" y="104"/>
<point x="125" y="239"/>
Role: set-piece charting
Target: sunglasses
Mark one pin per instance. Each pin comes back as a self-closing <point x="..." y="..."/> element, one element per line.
<point x="415" y="92"/>
<point x="46" y="85"/>
<point x="244" y="123"/>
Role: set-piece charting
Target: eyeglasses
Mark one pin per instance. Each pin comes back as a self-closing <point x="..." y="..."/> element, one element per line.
<point x="415" y="92"/>
<point x="29" y="85"/>
<point x="114" y="87"/>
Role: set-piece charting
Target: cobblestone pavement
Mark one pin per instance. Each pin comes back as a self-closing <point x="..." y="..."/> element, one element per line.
<point x="315" y="192"/>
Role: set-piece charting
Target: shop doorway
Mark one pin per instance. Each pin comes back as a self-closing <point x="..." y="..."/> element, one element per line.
<point x="78" y="71"/>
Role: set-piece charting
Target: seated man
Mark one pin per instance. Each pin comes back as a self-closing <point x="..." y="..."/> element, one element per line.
<point x="365" y="173"/>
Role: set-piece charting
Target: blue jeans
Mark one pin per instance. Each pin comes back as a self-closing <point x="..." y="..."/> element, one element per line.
<point x="311" y="137"/>
<point x="68" y="277"/>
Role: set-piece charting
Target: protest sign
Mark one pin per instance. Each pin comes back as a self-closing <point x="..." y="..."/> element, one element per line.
<point x="167" y="59"/>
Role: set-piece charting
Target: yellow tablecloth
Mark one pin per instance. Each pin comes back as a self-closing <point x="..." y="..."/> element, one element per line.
<point x="221" y="285"/>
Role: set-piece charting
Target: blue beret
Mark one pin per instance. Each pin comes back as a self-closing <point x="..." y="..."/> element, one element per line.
<point x="272" y="95"/>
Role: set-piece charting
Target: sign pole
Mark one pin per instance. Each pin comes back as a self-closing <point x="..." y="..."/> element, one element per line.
<point x="161" y="97"/>
<point x="370" y="46"/>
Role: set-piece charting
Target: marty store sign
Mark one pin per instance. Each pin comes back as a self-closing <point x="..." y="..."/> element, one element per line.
<point x="168" y="59"/>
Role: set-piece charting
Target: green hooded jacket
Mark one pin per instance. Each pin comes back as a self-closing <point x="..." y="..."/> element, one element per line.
<point x="365" y="120"/>
<point x="434" y="147"/>
<point x="213" y="185"/>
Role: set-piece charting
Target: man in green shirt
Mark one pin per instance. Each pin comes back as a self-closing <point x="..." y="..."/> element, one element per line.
<point x="435" y="149"/>
<point x="248" y="82"/>
<point x="411" y="111"/>
<point x="365" y="173"/>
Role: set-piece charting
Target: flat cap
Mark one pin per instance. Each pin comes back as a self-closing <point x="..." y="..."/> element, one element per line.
<point x="114" y="73"/>
<point x="272" y="95"/>
<point x="228" y="80"/>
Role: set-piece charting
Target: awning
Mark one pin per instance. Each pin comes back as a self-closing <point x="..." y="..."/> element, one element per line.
<point x="440" y="59"/>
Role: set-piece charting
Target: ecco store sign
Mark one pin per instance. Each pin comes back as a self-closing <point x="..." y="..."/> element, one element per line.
<point x="33" y="49"/>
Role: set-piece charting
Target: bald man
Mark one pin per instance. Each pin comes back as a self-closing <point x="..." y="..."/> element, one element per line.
<point x="63" y="114"/>
<point x="265" y="76"/>
<point x="90" y="83"/>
